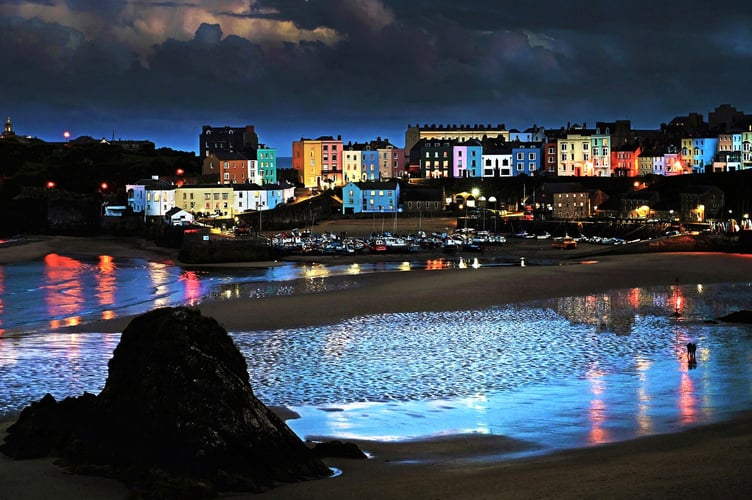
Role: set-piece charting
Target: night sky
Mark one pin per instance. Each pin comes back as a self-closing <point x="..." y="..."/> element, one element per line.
<point x="159" y="70"/>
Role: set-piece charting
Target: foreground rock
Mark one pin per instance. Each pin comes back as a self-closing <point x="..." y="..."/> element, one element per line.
<point x="177" y="417"/>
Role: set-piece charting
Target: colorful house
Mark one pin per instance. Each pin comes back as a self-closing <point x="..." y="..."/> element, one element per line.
<point x="467" y="159"/>
<point x="352" y="162"/>
<point x="369" y="164"/>
<point x="625" y="160"/>
<point x="574" y="152"/>
<point x="526" y="157"/>
<point x="746" y="148"/>
<point x="266" y="158"/>
<point x="703" y="151"/>
<point x="600" y="158"/>
<point x="206" y="199"/>
<point x="230" y="167"/>
<point x="318" y="161"/>
<point x="370" y="197"/>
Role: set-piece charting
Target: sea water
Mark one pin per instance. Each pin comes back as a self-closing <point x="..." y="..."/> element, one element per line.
<point x="561" y="373"/>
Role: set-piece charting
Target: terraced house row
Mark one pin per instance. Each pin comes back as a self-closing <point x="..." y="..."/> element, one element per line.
<point x="685" y="145"/>
<point x="155" y="198"/>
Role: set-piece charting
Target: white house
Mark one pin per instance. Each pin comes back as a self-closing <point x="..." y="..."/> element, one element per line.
<point x="152" y="197"/>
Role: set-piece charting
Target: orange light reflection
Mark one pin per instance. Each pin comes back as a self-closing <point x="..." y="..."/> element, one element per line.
<point x="597" y="410"/>
<point x="106" y="280"/>
<point x="65" y="295"/>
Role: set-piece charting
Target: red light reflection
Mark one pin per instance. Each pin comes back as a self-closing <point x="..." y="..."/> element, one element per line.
<point x="687" y="400"/>
<point x="192" y="287"/>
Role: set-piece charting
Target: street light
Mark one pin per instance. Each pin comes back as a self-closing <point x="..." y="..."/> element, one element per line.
<point x="492" y="200"/>
<point x="482" y="201"/>
<point x="259" y="204"/>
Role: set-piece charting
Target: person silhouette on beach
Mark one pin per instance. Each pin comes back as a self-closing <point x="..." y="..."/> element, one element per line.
<point x="691" y="354"/>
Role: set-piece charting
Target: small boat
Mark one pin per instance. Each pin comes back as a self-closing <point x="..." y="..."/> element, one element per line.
<point x="565" y="243"/>
<point x="378" y="245"/>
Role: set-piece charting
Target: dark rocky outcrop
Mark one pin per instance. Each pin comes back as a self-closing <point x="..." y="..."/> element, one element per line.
<point x="177" y="417"/>
<point x="742" y="316"/>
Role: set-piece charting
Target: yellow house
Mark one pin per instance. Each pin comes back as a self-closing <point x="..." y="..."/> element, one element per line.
<point x="574" y="154"/>
<point x="306" y="160"/>
<point x="206" y="199"/>
<point x="351" y="164"/>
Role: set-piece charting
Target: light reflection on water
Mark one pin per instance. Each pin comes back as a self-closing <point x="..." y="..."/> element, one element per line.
<point x="563" y="372"/>
<point x="63" y="290"/>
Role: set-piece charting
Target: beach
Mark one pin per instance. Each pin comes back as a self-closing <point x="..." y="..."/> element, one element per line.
<point x="710" y="461"/>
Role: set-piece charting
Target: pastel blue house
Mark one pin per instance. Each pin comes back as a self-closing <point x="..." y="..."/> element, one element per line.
<point x="467" y="159"/>
<point x="370" y="197"/>
<point x="526" y="157"/>
<point x="279" y="193"/>
<point x="703" y="151"/>
<point x="369" y="164"/>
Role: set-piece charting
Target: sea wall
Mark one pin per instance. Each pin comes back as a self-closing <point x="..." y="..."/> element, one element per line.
<point x="202" y="248"/>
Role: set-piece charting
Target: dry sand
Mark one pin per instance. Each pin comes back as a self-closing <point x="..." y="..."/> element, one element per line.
<point x="709" y="462"/>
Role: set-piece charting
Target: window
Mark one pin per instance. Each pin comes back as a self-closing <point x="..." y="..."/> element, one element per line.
<point x="552" y="151"/>
<point x="531" y="156"/>
<point x="563" y="146"/>
<point x="520" y="166"/>
<point x="563" y="157"/>
<point x="585" y="146"/>
<point x="520" y="156"/>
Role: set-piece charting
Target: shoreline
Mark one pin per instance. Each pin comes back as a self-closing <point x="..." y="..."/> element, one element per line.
<point x="710" y="460"/>
<point x="459" y="289"/>
<point x="707" y="461"/>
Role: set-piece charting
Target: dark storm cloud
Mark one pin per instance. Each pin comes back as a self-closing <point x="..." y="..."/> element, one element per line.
<point x="352" y="63"/>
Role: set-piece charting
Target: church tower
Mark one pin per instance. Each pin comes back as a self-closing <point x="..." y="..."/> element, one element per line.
<point x="8" y="132"/>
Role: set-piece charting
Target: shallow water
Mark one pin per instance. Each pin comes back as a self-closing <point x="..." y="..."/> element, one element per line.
<point x="68" y="290"/>
<point x="561" y="373"/>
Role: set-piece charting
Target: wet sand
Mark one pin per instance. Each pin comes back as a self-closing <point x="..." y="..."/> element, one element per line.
<point x="710" y="462"/>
